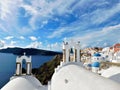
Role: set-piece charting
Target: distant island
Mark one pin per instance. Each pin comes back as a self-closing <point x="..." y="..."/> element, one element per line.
<point x="28" y="51"/>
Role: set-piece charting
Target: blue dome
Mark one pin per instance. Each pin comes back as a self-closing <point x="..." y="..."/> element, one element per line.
<point x="89" y="65"/>
<point x="96" y="64"/>
<point x="97" y="55"/>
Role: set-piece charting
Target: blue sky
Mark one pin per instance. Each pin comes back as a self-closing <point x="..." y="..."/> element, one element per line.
<point x="46" y="23"/>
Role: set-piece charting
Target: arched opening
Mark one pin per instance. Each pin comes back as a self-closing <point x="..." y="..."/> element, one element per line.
<point x="71" y="54"/>
<point x="24" y="67"/>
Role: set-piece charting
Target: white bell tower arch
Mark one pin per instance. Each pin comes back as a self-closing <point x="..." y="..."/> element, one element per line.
<point x="75" y="46"/>
<point x="19" y="60"/>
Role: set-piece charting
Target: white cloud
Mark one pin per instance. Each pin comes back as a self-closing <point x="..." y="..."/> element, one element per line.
<point x="9" y="12"/>
<point x="9" y="37"/>
<point x="42" y="10"/>
<point x="57" y="33"/>
<point x="7" y="8"/>
<point x="40" y="45"/>
<point x="9" y="17"/>
<point x="54" y="46"/>
<point x="73" y="28"/>
<point x="106" y="35"/>
<point x="101" y="3"/>
<point x="2" y="43"/>
<point x="96" y="17"/>
<point x="100" y="15"/>
<point x="45" y="22"/>
<point x="22" y="37"/>
<point x="25" y="30"/>
<point x="35" y="45"/>
<point x="39" y="10"/>
<point x="33" y="38"/>
<point x="12" y="43"/>
<point x="3" y="28"/>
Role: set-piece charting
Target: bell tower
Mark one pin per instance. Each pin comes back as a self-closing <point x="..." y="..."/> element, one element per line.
<point x="19" y="60"/>
<point x="71" y="51"/>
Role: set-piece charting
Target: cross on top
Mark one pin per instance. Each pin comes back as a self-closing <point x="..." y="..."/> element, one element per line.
<point x="24" y="53"/>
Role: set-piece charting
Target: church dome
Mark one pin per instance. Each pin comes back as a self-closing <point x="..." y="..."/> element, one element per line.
<point x="97" y="55"/>
<point x="89" y="65"/>
<point x="95" y="64"/>
<point x="74" y="77"/>
<point x="23" y="83"/>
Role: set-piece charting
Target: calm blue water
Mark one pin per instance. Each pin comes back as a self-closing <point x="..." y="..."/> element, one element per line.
<point x="8" y="65"/>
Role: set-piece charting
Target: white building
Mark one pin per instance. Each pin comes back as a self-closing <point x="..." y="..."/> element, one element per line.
<point x="94" y="62"/>
<point x="108" y="54"/>
<point x="97" y="57"/>
<point x="70" y="75"/>
<point x="116" y="58"/>
<point x="112" y="56"/>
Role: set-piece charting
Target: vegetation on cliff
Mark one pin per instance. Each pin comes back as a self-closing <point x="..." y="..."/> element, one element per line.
<point x="45" y="71"/>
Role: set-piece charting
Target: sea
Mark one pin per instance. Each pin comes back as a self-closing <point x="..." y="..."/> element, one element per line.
<point x="8" y="65"/>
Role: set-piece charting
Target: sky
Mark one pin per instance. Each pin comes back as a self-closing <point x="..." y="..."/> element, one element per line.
<point x="45" y="24"/>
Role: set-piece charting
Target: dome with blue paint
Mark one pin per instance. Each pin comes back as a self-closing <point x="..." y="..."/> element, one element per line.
<point x="89" y="65"/>
<point x="97" y="55"/>
<point x="96" y="64"/>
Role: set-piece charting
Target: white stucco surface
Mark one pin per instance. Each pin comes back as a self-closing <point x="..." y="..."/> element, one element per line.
<point x="74" y="77"/>
<point x="112" y="73"/>
<point x="23" y="83"/>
